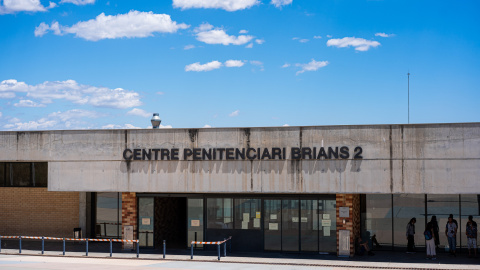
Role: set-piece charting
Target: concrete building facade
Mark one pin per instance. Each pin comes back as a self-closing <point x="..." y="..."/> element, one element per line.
<point x="292" y="189"/>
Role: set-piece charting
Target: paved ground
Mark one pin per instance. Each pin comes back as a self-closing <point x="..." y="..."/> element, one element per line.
<point x="98" y="258"/>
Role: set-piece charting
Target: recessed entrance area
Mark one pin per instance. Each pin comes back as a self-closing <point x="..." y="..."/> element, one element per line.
<point x="171" y="222"/>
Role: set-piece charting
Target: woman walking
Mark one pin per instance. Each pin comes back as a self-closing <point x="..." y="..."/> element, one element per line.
<point x="411" y="235"/>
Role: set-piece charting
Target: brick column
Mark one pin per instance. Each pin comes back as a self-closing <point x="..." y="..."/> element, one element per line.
<point x="129" y="212"/>
<point x="352" y="223"/>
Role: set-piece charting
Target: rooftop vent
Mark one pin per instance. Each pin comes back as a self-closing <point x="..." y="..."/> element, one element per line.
<point x="156" y="120"/>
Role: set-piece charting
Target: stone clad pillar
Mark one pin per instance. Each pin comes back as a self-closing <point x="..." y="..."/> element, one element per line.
<point x="352" y="222"/>
<point x="129" y="214"/>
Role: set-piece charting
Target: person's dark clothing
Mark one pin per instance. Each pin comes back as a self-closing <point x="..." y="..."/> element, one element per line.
<point x="411" y="237"/>
<point x="435" y="231"/>
<point x="411" y="243"/>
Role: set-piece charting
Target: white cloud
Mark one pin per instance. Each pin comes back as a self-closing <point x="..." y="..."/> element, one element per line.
<point x="139" y="112"/>
<point x="312" y="66"/>
<point x="303" y="40"/>
<point x="249" y="46"/>
<point x="205" y="67"/>
<point x="28" y="103"/>
<point x="130" y="25"/>
<point x="189" y="47"/>
<point x="384" y="35"/>
<point x="317" y="37"/>
<point x="208" y="34"/>
<point x="285" y="65"/>
<point x="329" y="36"/>
<point x="257" y="63"/>
<point x="78" y="2"/>
<point x="228" y="5"/>
<point x="7" y="95"/>
<point x="126" y="126"/>
<point x="207" y="126"/>
<point x="235" y="113"/>
<point x="243" y="32"/>
<point x="280" y="3"/>
<point x="74" y="92"/>
<point x="286" y="125"/>
<point x="234" y="63"/>
<point x="360" y="44"/>
<point x="295" y="38"/>
<point x="72" y="119"/>
<point x="14" y="6"/>
<point x="74" y="114"/>
<point x="203" y="27"/>
<point x="160" y="93"/>
<point x="259" y="41"/>
<point x="1" y="114"/>
<point x="41" y="30"/>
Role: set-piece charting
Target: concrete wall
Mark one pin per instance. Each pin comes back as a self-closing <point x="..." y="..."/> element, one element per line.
<point x="430" y="158"/>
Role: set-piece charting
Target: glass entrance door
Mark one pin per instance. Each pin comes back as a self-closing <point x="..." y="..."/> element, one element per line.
<point x="146" y="221"/>
<point x="195" y="221"/>
<point x="290" y="225"/>
<point x="272" y="224"/>
<point x="309" y="225"/>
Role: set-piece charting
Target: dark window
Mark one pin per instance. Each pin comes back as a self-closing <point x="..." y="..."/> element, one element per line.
<point x="23" y="174"/>
<point x="220" y="213"/>
<point x="40" y="174"/>
<point x="109" y="215"/>
<point x="2" y="174"/>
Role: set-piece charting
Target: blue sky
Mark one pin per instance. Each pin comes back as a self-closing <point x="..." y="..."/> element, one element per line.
<point x="92" y="64"/>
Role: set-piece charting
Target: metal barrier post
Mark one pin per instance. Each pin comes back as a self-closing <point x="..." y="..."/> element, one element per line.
<point x="230" y="244"/>
<point x="218" y="249"/>
<point x="164" y="248"/>
<point x="110" y="247"/>
<point x="138" y="248"/>
<point x="224" y="247"/>
<point x="43" y="244"/>
<point x="87" y="247"/>
<point x="20" y="247"/>
<point x="0" y="243"/>
<point x="64" y="246"/>
<point x="191" y="245"/>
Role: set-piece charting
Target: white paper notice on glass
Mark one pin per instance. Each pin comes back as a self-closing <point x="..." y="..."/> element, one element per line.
<point x="246" y="216"/>
<point x="326" y="223"/>
<point x="304" y="219"/>
<point x="273" y="216"/>
<point x="146" y="221"/>
<point x="195" y="223"/>
<point x="326" y="216"/>
<point x="256" y="223"/>
<point x="227" y="220"/>
<point x="294" y="219"/>
<point x="326" y="231"/>
<point x="273" y="226"/>
<point x="244" y="225"/>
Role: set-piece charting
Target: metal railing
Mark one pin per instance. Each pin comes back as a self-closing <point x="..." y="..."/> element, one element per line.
<point x="86" y="240"/>
<point x="218" y="243"/>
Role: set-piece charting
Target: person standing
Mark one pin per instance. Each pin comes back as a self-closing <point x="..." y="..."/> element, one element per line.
<point x="471" y="233"/>
<point x="430" y="242"/>
<point x="451" y="233"/>
<point x="436" y="229"/>
<point x="411" y="235"/>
